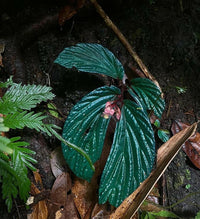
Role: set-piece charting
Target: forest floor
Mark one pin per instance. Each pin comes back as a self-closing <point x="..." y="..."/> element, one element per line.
<point x="165" y="35"/>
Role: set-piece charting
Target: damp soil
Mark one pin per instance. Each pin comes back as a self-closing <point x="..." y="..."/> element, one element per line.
<point x="166" y="36"/>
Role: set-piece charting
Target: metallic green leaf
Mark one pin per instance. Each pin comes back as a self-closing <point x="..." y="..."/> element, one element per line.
<point x="131" y="157"/>
<point x="163" y="135"/>
<point x="149" y="94"/>
<point x="86" y="127"/>
<point x="92" y="58"/>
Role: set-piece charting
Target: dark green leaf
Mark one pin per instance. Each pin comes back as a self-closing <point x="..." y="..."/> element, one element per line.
<point x="86" y="128"/>
<point x="92" y="58"/>
<point x="132" y="155"/>
<point x="163" y="135"/>
<point x="149" y="94"/>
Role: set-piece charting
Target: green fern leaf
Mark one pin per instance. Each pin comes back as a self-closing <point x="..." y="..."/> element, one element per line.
<point x="4" y="156"/>
<point x="3" y="128"/>
<point x="21" y="170"/>
<point x="13" y="169"/>
<point x="8" y="83"/>
<point x="18" y="147"/>
<point x="9" y="188"/>
<point x="49" y="129"/>
<point x="24" y="119"/>
<point x="4" y="145"/>
<point x="24" y="97"/>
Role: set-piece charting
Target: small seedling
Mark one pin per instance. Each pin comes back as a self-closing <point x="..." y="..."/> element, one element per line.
<point x="163" y="134"/>
<point x="187" y="186"/>
<point x="132" y="152"/>
<point x="181" y="90"/>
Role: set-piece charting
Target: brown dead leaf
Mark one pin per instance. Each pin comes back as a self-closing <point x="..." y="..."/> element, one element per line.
<point x="69" y="10"/>
<point x="100" y="211"/>
<point x="84" y="196"/>
<point x="61" y="203"/>
<point x="40" y="210"/>
<point x="58" y="162"/>
<point x="165" y="155"/>
<point x="38" y="179"/>
<point x="192" y="146"/>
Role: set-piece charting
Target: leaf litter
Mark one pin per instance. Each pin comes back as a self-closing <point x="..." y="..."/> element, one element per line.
<point x="192" y="146"/>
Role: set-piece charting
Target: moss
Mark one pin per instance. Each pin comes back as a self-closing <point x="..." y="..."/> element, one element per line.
<point x="187" y="174"/>
<point x="179" y="181"/>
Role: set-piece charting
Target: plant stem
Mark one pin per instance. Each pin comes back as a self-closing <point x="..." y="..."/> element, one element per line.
<point x="73" y="146"/>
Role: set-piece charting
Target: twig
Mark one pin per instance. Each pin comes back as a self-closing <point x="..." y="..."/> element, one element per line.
<point x="17" y="209"/>
<point x="169" y="108"/>
<point x="124" y="41"/>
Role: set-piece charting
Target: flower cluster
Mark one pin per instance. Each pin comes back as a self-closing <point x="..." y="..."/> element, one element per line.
<point x="112" y="109"/>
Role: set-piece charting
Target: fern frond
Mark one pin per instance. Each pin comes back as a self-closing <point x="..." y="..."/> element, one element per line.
<point x="18" y="147"/>
<point x="24" y="97"/>
<point x="29" y="119"/>
<point x="3" y="128"/>
<point x="4" y="156"/>
<point x="21" y="170"/>
<point x="15" y="158"/>
<point x="8" y="83"/>
<point x="9" y="187"/>
<point x="13" y="177"/>
<point x="24" y="119"/>
<point x="49" y="129"/>
<point x="4" y="145"/>
<point x="13" y="169"/>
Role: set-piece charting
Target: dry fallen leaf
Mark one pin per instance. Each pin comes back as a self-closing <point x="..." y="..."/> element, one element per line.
<point x="40" y="210"/>
<point x="84" y="196"/>
<point x="100" y="212"/>
<point x="38" y="179"/>
<point x="61" y="205"/>
<point x="57" y="162"/>
<point x="165" y="155"/>
<point x="192" y="146"/>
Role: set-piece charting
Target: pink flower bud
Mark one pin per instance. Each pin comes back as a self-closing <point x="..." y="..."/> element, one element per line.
<point x="110" y="109"/>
